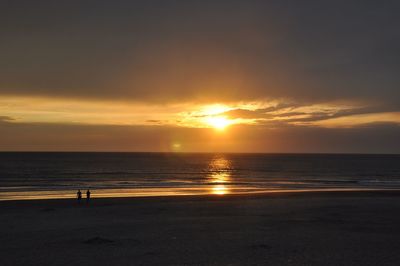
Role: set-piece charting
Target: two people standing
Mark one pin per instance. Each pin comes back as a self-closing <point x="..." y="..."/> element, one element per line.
<point x="79" y="196"/>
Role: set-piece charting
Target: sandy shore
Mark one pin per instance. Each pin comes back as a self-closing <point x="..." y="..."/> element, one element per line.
<point x="345" y="228"/>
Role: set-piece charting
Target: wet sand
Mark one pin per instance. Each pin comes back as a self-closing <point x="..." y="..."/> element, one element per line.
<point x="342" y="228"/>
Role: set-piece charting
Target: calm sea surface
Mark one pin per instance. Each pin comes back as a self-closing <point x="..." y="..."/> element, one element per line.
<point x="59" y="175"/>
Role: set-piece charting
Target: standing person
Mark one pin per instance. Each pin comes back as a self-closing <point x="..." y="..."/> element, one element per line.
<point x="79" y="195"/>
<point x="87" y="196"/>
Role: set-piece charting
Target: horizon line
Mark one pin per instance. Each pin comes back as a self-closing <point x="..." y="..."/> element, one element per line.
<point x="210" y="152"/>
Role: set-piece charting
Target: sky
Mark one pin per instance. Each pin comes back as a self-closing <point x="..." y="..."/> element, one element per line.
<point x="200" y="76"/>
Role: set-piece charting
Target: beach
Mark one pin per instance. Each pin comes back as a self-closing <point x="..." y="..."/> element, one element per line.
<point x="312" y="228"/>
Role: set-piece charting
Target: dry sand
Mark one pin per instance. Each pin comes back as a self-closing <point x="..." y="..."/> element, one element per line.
<point x="345" y="228"/>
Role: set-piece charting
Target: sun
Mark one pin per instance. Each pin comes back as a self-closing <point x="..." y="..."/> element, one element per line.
<point x="218" y="122"/>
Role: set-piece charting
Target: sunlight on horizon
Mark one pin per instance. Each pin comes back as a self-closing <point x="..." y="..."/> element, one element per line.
<point x="213" y="118"/>
<point x="217" y="116"/>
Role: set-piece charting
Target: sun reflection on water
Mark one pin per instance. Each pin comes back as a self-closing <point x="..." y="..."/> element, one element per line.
<point x="222" y="177"/>
<point x="220" y="174"/>
<point x="219" y="190"/>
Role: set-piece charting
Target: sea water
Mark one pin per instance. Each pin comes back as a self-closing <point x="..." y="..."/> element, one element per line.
<point x="32" y="175"/>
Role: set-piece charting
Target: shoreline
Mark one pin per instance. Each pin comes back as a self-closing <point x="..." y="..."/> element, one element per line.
<point x="229" y="196"/>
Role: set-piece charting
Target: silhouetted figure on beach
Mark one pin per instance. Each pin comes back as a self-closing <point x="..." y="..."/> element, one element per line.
<point x="87" y="196"/>
<point x="79" y="196"/>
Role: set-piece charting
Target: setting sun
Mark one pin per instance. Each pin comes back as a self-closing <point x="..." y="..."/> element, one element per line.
<point x="219" y="122"/>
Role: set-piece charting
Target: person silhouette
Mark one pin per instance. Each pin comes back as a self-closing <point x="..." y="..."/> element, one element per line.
<point x="87" y="196"/>
<point x="79" y="195"/>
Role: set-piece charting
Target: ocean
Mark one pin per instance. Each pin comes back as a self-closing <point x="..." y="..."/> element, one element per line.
<point x="42" y="175"/>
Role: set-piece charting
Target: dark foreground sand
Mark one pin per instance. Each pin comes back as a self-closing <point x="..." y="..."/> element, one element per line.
<point x="346" y="228"/>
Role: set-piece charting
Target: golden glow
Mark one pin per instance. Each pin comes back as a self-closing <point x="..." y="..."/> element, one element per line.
<point x="95" y="112"/>
<point x="356" y="120"/>
<point x="212" y="116"/>
<point x="215" y="109"/>
<point x="220" y="177"/>
<point x="219" y="190"/>
<point x="219" y="122"/>
<point x="24" y="109"/>
<point x="176" y="146"/>
<point x="219" y="163"/>
<point x="157" y="192"/>
<point x="220" y="167"/>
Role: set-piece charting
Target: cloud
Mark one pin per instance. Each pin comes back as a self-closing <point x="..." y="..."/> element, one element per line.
<point x="204" y="51"/>
<point x="273" y="113"/>
<point x="6" y="119"/>
<point x="291" y="113"/>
